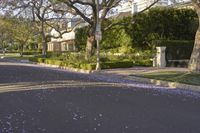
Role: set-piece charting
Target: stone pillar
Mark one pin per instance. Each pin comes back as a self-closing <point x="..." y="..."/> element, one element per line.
<point x="160" y="61"/>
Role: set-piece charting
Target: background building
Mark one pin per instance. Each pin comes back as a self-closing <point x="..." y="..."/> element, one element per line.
<point x="139" y="5"/>
<point x="134" y="6"/>
<point x="67" y="41"/>
<point x="183" y="4"/>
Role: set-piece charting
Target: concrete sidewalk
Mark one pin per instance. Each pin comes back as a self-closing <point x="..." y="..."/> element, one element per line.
<point x="140" y="70"/>
<point x="134" y="73"/>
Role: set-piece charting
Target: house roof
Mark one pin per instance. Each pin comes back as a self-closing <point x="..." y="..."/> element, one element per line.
<point x="122" y="15"/>
<point x="187" y="4"/>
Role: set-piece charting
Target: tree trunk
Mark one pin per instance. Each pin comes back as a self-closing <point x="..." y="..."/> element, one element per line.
<point x="194" y="64"/>
<point x="4" y="50"/>
<point x="44" y="48"/>
<point x="44" y="45"/>
<point x="89" y="47"/>
<point x="44" y="41"/>
<point x="21" y="50"/>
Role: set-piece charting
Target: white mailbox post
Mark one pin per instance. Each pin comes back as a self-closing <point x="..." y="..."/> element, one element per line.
<point x="161" y="60"/>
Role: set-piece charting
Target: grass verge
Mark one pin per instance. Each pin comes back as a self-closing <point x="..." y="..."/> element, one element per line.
<point x="173" y="76"/>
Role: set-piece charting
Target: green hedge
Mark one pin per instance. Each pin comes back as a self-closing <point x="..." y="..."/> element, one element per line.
<point x="85" y="66"/>
<point x="177" y="49"/>
<point x="117" y="64"/>
<point x="90" y="66"/>
<point x="179" y="43"/>
<point x="34" y="59"/>
<point x="12" y="52"/>
<point x="32" y="53"/>
<point x="145" y="63"/>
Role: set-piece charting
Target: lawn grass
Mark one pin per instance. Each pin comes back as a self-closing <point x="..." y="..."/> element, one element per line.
<point x="10" y="55"/>
<point x="179" y="77"/>
<point x="25" y="57"/>
<point x="16" y="56"/>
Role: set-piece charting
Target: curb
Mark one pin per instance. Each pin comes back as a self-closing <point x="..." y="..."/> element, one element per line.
<point x="166" y="83"/>
<point x="68" y="68"/>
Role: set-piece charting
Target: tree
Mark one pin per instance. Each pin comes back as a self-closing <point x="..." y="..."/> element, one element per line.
<point x="44" y="13"/>
<point x="22" y="31"/>
<point x="117" y="36"/>
<point x="47" y="18"/>
<point x="5" y="33"/>
<point x="87" y="10"/>
<point x="42" y="10"/>
<point x="194" y="64"/>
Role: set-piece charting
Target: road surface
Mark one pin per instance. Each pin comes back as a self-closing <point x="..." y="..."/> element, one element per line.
<point x="36" y="99"/>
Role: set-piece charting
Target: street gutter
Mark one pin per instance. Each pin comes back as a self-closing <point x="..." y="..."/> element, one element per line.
<point x="165" y="83"/>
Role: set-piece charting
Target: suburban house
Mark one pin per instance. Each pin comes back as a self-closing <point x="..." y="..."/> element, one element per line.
<point x="134" y="6"/>
<point x="139" y="5"/>
<point x="183" y="4"/>
<point x="67" y="41"/>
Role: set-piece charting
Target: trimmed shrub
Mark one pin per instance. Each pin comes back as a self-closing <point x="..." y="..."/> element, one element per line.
<point x="85" y="66"/>
<point x="32" y="53"/>
<point x="41" y="60"/>
<point x="143" y="63"/>
<point x="53" y="54"/>
<point x="90" y="66"/>
<point x="178" y="52"/>
<point x="183" y="63"/>
<point x="179" y="43"/>
<point x="177" y="49"/>
<point x="33" y="59"/>
<point x="119" y="64"/>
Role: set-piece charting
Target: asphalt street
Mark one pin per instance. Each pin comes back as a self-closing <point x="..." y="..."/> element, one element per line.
<point x="36" y="99"/>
